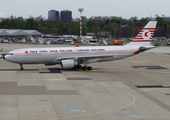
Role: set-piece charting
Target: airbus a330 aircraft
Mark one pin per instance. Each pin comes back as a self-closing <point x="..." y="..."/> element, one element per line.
<point x="73" y="57"/>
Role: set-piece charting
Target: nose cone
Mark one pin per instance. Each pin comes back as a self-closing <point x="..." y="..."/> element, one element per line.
<point x="7" y="58"/>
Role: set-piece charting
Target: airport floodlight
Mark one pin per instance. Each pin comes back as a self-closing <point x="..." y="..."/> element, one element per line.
<point x="81" y="10"/>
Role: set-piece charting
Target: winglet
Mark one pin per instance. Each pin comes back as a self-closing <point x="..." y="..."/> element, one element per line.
<point x="77" y="45"/>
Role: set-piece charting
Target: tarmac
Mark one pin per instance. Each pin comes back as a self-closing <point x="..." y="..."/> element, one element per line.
<point x="137" y="87"/>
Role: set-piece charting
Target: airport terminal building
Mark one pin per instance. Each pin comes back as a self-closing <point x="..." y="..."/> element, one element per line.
<point x="8" y="33"/>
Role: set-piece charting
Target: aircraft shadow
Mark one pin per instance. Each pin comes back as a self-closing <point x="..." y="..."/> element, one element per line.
<point x="18" y="70"/>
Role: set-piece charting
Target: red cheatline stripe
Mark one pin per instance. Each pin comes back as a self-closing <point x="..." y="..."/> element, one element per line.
<point x="140" y="38"/>
<point x="149" y="30"/>
<point x="141" y="41"/>
<point x="142" y="32"/>
<point x="75" y="53"/>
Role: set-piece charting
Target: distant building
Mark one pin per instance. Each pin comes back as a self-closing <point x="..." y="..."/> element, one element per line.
<point x="53" y="14"/>
<point x="102" y="34"/>
<point x="105" y="17"/>
<point x="84" y="17"/>
<point x="133" y="18"/>
<point x="18" y="33"/>
<point x="66" y="15"/>
<point x="166" y="18"/>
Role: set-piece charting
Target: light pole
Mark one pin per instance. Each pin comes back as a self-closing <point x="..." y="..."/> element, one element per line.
<point x="81" y="10"/>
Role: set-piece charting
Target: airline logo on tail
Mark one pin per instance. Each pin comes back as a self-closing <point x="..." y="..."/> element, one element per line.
<point x="144" y="37"/>
<point x="146" y="34"/>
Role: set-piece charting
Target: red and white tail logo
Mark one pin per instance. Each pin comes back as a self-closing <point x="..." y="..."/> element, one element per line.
<point x="144" y="37"/>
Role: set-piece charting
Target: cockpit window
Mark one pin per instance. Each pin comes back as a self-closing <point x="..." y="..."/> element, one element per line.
<point x="10" y="54"/>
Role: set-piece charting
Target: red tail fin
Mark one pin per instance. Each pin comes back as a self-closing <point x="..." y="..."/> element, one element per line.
<point x="144" y="37"/>
<point x="77" y="45"/>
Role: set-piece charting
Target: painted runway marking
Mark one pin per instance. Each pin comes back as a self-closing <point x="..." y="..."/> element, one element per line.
<point x="131" y="70"/>
<point x="97" y="112"/>
<point x="145" y="90"/>
<point x="53" y="79"/>
<point x="76" y="110"/>
<point x="35" y="79"/>
<point x="105" y="110"/>
<point x="131" y="115"/>
<point x="27" y="80"/>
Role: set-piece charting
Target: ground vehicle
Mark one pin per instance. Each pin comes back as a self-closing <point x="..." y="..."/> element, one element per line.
<point x="118" y="42"/>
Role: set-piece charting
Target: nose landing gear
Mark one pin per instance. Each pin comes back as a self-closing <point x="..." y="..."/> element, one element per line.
<point x="21" y="65"/>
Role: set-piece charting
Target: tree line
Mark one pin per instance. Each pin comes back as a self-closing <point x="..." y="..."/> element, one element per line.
<point x="58" y="27"/>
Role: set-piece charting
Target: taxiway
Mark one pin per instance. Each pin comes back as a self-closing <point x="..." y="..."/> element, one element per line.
<point x="133" y="88"/>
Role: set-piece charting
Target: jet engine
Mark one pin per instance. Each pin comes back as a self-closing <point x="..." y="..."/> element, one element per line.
<point x="68" y="64"/>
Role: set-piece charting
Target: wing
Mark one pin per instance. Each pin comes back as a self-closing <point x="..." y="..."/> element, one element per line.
<point x="83" y="58"/>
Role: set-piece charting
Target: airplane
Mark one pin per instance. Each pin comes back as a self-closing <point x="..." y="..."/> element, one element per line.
<point x="73" y="57"/>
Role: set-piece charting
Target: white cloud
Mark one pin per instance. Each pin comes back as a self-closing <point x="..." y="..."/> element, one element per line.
<point x="3" y="14"/>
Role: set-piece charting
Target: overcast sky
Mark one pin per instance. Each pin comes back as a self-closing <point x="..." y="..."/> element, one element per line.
<point x="122" y="8"/>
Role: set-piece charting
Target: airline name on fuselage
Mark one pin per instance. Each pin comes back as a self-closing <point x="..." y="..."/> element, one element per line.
<point x="79" y="50"/>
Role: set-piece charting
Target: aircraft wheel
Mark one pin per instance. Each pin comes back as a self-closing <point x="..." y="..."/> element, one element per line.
<point x="89" y="68"/>
<point x="21" y="68"/>
<point x="79" y="67"/>
<point x="84" y="68"/>
<point x="74" y="68"/>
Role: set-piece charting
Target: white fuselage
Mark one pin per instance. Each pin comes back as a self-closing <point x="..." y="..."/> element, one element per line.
<point x="55" y="55"/>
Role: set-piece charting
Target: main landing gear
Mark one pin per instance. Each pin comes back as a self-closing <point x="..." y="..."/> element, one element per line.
<point x="21" y="67"/>
<point x="84" y="67"/>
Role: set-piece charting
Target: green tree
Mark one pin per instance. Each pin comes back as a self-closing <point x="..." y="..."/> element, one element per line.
<point x="21" y="23"/>
<point x="53" y="31"/>
<point x="30" y="24"/>
<point x="129" y="32"/>
<point x="160" y="22"/>
<point x="168" y="30"/>
<point x="96" y="28"/>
